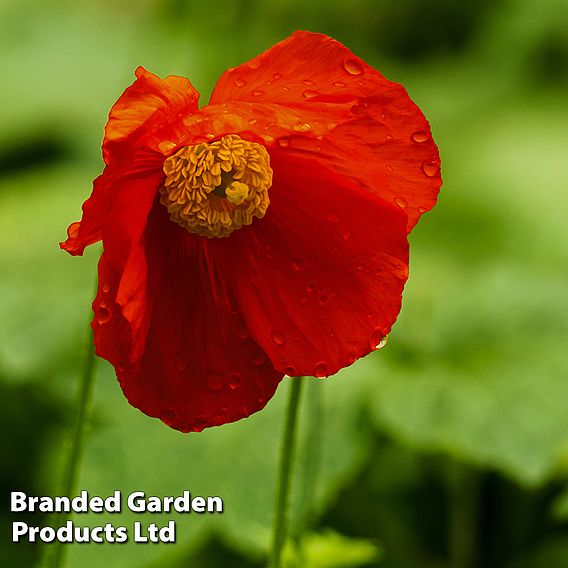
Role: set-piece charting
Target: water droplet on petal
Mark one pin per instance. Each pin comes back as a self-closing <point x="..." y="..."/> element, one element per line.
<point x="420" y="136"/>
<point x="180" y="362"/>
<point x="257" y="93"/>
<point x="401" y="202"/>
<point x="320" y="370"/>
<point x="308" y="82"/>
<point x="298" y="264"/>
<point x="215" y="380"/>
<point x="234" y="381"/>
<point x="339" y="84"/>
<point x="352" y="67"/>
<point x="323" y="299"/>
<point x="106" y="288"/>
<point x="254" y="64"/>
<point x="310" y="94"/>
<point x="258" y="360"/>
<point x="346" y="235"/>
<point x="290" y="371"/>
<point x="301" y="127"/>
<point x="333" y="217"/>
<point x="277" y="338"/>
<point x="253" y="121"/>
<point x="431" y="169"/>
<point x="166" y="146"/>
<point x="284" y="142"/>
<point x="104" y="313"/>
<point x="239" y="82"/>
<point x="377" y="339"/>
<point x="388" y="136"/>
<point x="311" y="286"/>
<point x="422" y="210"/>
<point x="277" y="76"/>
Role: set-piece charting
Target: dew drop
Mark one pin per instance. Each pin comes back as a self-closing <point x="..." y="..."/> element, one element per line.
<point x="320" y="370"/>
<point x="215" y="381"/>
<point x="388" y="136"/>
<point x="298" y="264"/>
<point x="390" y="168"/>
<point x="308" y="82"/>
<point x="420" y="136"/>
<point x="180" y="363"/>
<point x="311" y="286"/>
<point x="346" y="235"/>
<point x="106" y="288"/>
<point x="253" y="121"/>
<point x="285" y="88"/>
<point x="422" y="210"/>
<point x="301" y="127"/>
<point x="430" y="168"/>
<point x="234" y="381"/>
<point x="277" y="338"/>
<point x="104" y="313"/>
<point x="352" y="67"/>
<point x="377" y="339"/>
<point x="401" y="202"/>
<point x="339" y="84"/>
<point x="284" y="142"/>
<point x="333" y="217"/>
<point x="277" y="76"/>
<point x="166" y="146"/>
<point x="254" y="64"/>
<point x="310" y="94"/>
<point x="258" y="360"/>
<point x="290" y="371"/>
<point x="239" y="83"/>
<point x="323" y="299"/>
<point x="257" y="93"/>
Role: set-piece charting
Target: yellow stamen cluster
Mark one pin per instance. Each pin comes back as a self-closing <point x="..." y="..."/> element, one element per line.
<point x="214" y="188"/>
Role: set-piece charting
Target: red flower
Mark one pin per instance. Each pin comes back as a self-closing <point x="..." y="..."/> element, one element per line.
<point x="313" y="167"/>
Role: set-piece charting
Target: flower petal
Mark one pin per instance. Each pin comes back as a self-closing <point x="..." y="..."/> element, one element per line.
<point x="378" y="136"/>
<point x="178" y="343"/>
<point x="143" y="126"/>
<point x="318" y="280"/>
<point x="149" y="108"/>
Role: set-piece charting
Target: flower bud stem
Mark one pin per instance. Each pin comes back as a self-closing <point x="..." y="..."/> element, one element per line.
<point x="83" y="410"/>
<point x="285" y="473"/>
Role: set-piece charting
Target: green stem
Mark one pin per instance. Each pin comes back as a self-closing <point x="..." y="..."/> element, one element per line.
<point x="77" y="444"/>
<point x="285" y="473"/>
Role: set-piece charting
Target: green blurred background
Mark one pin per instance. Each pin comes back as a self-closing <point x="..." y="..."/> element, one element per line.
<point x="446" y="449"/>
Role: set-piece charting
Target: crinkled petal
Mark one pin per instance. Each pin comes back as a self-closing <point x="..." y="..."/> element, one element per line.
<point x="143" y="126"/>
<point x="377" y="135"/>
<point x="178" y="342"/>
<point x="319" y="279"/>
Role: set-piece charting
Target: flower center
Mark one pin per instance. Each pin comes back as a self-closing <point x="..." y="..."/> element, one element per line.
<point x="212" y="189"/>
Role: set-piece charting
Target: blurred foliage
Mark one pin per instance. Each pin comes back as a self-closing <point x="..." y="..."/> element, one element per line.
<point x="449" y="448"/>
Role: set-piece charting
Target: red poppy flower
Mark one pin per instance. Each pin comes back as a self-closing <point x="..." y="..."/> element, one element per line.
<point x="262" y="235"/>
